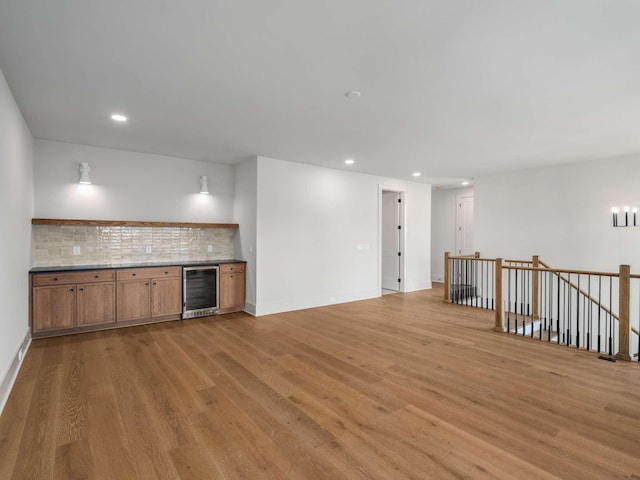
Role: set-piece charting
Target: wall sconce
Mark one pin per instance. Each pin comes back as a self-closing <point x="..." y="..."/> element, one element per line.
<point x="625" y="209"/>
<point x="84" y="174"/>
<point x="204" y="185"/>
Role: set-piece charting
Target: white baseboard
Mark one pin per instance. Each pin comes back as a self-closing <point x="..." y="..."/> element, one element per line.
<point x="250" y="308"/>
<point x="12" y="373"/>
<point x="291" y="305"/>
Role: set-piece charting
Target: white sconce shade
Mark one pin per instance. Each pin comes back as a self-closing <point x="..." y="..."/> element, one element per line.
<point x="84" y="174"/>
<point x="204" y="185"/>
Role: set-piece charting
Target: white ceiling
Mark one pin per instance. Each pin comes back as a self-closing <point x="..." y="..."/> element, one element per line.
<point x="452" y="88"/>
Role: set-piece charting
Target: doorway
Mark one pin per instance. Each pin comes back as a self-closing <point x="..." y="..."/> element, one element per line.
<point x="391" y="241"/>
<point x="464" y="225"/>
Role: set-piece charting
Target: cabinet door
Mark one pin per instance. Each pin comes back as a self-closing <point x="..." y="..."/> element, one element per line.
<point x="54" y="307"/>
<point x="96" y="303"/>
<point x="134" y="300"/>
<point x="166" y="296"/>
<point x="232" y="292"/>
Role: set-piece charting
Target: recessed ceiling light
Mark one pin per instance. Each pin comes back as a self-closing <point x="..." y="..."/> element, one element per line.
<point x="465" y="183"/>
<point x="349" y="161"/>
<point x="353" y="94"/>
<point x="116" y="117"/>
<point x="416" y="174"/>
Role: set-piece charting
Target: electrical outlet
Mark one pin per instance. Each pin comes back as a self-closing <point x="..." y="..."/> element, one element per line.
<point x="209" y="248"/>
<point x="147" y="249"/>
<point x="76" y="250"/>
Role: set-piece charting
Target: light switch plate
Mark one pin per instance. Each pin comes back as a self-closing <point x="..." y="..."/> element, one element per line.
<point x="209" y="248"/>
<point x="147" y="249"/>
<point x="76" y="250"/>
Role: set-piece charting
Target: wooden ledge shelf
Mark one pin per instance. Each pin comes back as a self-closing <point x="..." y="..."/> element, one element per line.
<point x="128" y="223"/>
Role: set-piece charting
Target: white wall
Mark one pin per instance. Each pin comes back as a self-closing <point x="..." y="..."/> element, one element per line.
<point x="562" y="213"/>
<point x="128" y="186"/>
<point x="244" y="213"/>
<point x="310" y="223"/>
<point x="443" y="227"/>
<point x="16" y="211"/>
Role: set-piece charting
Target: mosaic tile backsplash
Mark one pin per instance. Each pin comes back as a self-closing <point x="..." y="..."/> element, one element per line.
<point x="53" y="245"/>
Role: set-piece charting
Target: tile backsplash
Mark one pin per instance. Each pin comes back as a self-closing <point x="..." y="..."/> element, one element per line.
<point x="53" y="245"/>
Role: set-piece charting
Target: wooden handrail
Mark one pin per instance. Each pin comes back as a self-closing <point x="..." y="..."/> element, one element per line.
<point x="473" y="259"/>
<point x="480" y="259"/>
<point x="566" y="280"/>
<point x="561" y="270"/>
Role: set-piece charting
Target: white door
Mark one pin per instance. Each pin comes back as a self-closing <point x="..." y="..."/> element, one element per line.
<point x="391" y="247"/>
<point x="464" y="226"/>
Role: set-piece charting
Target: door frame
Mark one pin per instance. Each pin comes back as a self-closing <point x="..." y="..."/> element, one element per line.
<point x="402" y="240"/>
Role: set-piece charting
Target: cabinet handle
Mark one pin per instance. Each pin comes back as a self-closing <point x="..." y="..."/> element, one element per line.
<point x="55" y="279"/>
<point x="230" y="276"/>
<point x="71" y="289"/>
<point x="154" y="283"/>
<point x="231" y="269"/>
<point x="166" y="273"/>
<point x="82" y="289"/>
<point x="133" y="274"/>
<point x="96" y="276"/>
<point x="147" y="283"/>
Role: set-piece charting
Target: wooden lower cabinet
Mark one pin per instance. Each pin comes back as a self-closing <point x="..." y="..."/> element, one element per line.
<point x="149" y="293"/>
<point x="232" y="287"/>
<point x="166" y="296"/>
<point x="96" y="304"/>
<point x="60" y="302"/>
<point x="54" y="307"/>
<point x="134" y="300"/>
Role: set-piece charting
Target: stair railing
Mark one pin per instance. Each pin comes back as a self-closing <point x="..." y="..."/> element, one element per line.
<point x="469" y="280"/>
<point x="583" y="309"/>
<point x="566" y="313"/>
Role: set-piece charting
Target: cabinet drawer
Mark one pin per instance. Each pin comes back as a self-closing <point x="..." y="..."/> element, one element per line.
<point x="154" y="272"/>
<point x="232" y="268"/>
<point x="47" y="279"/>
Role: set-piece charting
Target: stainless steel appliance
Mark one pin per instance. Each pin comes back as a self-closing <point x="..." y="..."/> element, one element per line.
<point x="200" y="291"/>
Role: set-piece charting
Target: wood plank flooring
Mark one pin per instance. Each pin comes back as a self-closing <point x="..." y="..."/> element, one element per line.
<point x="399" y="387"/>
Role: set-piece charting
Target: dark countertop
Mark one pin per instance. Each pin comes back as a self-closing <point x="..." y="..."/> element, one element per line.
<point x="79" y="268"/>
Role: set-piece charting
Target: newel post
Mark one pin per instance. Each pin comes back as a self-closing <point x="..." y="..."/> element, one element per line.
<point x="536" y="288"/>
<point x="623" y="313"/>
<point x="447" y="281"/>
<point x="499" y="327"/>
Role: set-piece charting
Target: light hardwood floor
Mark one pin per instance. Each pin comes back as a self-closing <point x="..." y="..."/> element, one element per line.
<point x="398" y="387"/>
